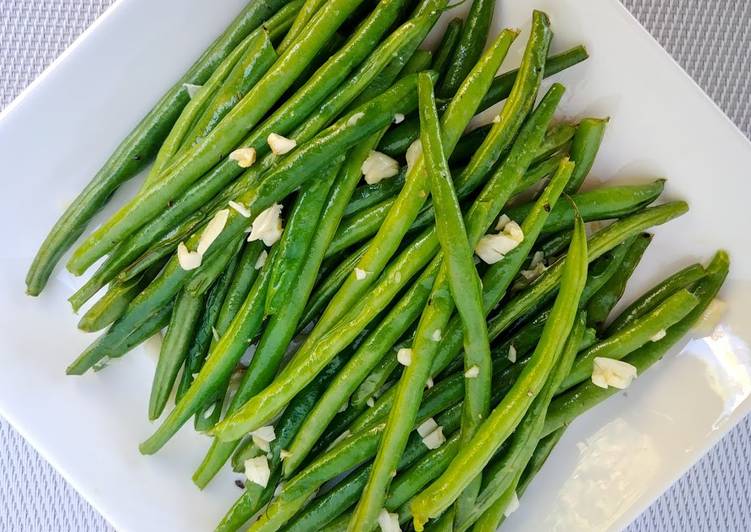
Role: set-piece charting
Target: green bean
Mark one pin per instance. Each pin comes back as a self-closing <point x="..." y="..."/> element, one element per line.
<point x="608" y="296"/>
<point x="174" y="350"/>
<point x="491" y="519"/>
<point x="598" y="204"/>
<point x="284" y="179"/>
<point x="504" y="471"/>
<point x="639" y="333"/>
<point x="218" y="366"/>
<point x="319" y="348"/>
<point x="412" y="196"/>
<point x="469" y="144"/>
<point x="135" y="151"/>
<point x="584" y="149"/>
<point x="408" y="34"/>
<point x="684" y="278"/>
<point x="329" y="286"/>
<point x="396" y="141"/>
<point x="506" y="416"/>
<point x="446" y="47"/>
<point x="578" y="400"/>
<point x="555" y="245"/>
<point x="375" y="383"/>
<point x="300" y="24"/>
<point x="463" y="280"/>
<point x="368" y="195"/>
<point x="244" y="75"/>
<point x="419" y="61"/>
<point x="282" y="326"/>
<point x="474" y="34"/>
<point x="114" y="303"/>
<point x="225" y="137"/>
<point x="295" y="243"/>
<point x="557" y="139"/>
<point x="373" y="349"/>
<point x="204" y="335"/>
<point x="255" y="496"/>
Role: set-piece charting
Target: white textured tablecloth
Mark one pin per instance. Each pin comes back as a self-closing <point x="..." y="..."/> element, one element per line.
<point x="710" y="39"/>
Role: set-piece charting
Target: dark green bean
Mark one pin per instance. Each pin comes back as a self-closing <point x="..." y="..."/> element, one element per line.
<point x="584" y="149"/>
<point x="419" y="61"/>
<point x="474" y="34"/>
<point x="681" y="279"/>
<point x="608" y="296"/>
<point x="446" y="47"/>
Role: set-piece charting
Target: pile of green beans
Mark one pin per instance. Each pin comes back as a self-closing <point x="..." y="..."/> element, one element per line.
<point x="407" y="348"/>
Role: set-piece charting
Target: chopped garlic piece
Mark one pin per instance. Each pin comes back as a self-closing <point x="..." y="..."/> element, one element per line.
<point x="189" y="260"/>
<point x="534" y="273"/>
<point x="610" y="372"/>
<point x="492" y="248"/>
<point x="512" y="353"/>
<point x="354" y="118"/>
<point x="343" y="436"/>
<point x="472" y="373"/>
<point x="278" y="490"/>
<point x="192" y="89"/>
<point x="513" y="505"/>
<point x="514" y="231"/>
<point x="280" y="145"/>
<point x="370" y="402"/>
<point x="414" y="152"/>
<point x="436" y="336"/>
<point x="344" y="407"/>
<point x="263" y="436"/>
<point x="426" y="427"/>
<point x="245" y="157"/>
<point x="261" y="260"/>
<point x="360" y="274"/>
<point x="711" y="316"/>
<point x="284" y="454"/>
<point x="267" y="226"/>
<point x="537" y="258"/>
<point x="240" y="208"/>
<point x="497" y="119"/>
<point x="502" y="221"/>
<point x="257" y="470"/>
<point x="398" y="118"/>
<point x="659" y="335"/>
<point x="404" y="356"/>
<point x="378" y="166"/>
<point x="212" y="231"/>
<point x="215" y="334"/>
<point x="429" y="384"/>
<point x="435" y="439"/>
<point x="388" y="522"/>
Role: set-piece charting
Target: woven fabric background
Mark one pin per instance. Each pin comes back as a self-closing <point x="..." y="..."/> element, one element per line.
<point x="711" y="40"/>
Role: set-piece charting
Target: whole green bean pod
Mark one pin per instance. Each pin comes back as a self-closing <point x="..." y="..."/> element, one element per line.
<point x="396" y="141"/>
<point x="412" y="196"/>
<point x="141" y="144"/>
<point x="504" y="471"/>
<point x="584" y="148"/>
<point x="684" y="278"/>
<point x="230" y="131"/>
<point x="474" y="34"/>
<point x="598" y="204"/>
<point x="463" y="280"/>
<point x="506" y="416"/>
<point x="446" y="47"/>
<point x="637" y="334"/>
<point x="305" y="14"/>
<point x="284" y="179"/>
<point x="295" y="243"/>
<point x="174" y="349"/>
<point x="215" y="299"/>
<point x="566" y="407"/>
<point x="608" y="296"/>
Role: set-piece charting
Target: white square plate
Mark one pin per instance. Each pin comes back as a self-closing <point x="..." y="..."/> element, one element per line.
<point x="611" y="463"/>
